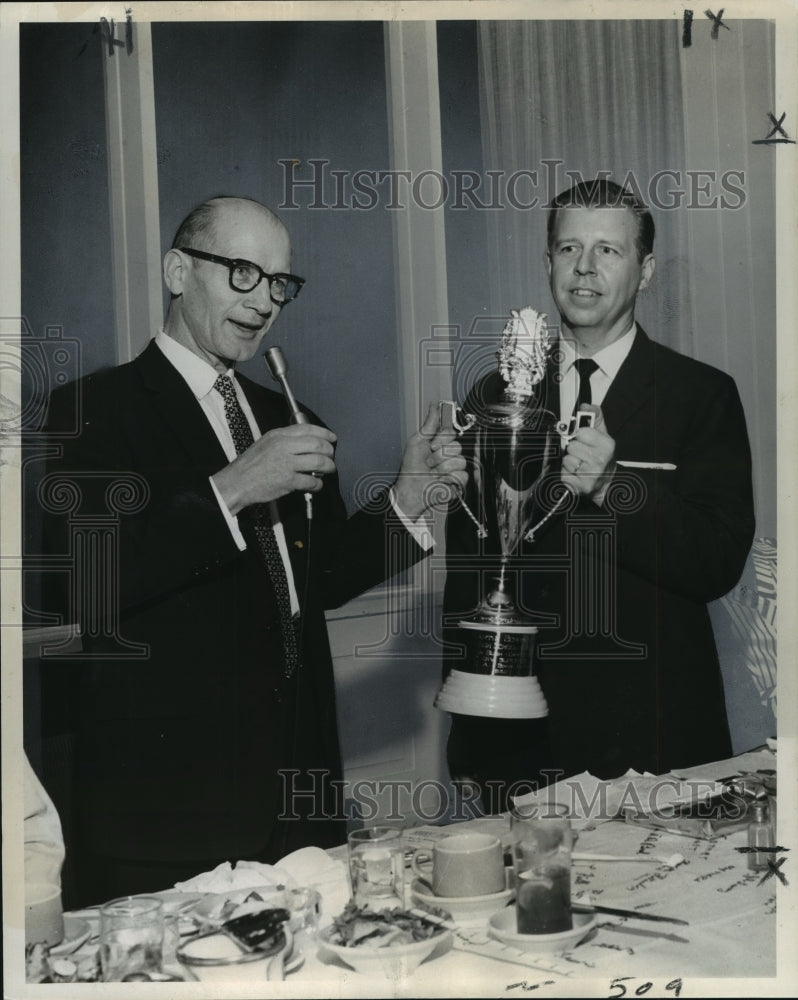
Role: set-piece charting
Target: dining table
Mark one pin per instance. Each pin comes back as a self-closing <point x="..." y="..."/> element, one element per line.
<point x="723" y="921"/>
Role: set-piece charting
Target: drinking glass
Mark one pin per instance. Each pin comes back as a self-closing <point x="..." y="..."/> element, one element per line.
<point x="377" y="867"/>
<point x="541" y="842"/>
<point x="131" y="937"/>
<point x="171" y="939"/>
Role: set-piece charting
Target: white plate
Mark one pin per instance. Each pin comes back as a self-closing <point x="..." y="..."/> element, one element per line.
<point x="76" y="932"/>
<point x="464" y="908"/>
<point x="502" y="926"/>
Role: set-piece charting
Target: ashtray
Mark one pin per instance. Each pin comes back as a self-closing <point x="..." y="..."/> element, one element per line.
<point x="502" y="926"/>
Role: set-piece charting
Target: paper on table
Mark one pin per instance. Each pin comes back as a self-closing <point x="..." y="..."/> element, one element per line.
<point x="712" y="889"/>
<point x="591" y="799"/>
<point x="588" y="798"/>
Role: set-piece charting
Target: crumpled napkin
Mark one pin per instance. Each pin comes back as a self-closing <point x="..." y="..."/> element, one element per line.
<point x="225" y="878"/>
<point x="309" y="867"/>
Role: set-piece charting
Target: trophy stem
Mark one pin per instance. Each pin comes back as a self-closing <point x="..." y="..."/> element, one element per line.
<point x="498" y="609"/>
<point x="502" y="597"/>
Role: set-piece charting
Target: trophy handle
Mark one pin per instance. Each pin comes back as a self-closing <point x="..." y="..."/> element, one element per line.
<point x="450" y="419"/>
<point x="452" y="416"/>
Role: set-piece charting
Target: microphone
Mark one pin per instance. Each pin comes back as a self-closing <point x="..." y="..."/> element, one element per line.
<point x="278" y="368"/>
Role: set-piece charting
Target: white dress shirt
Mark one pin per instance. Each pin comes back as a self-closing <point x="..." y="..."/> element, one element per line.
<point x="609" y="360"/>
<point x="200" y="377"/>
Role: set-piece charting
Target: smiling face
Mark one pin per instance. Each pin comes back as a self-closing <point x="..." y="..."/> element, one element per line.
<point x="215" y="322"/>
<point x="595" y="273"/>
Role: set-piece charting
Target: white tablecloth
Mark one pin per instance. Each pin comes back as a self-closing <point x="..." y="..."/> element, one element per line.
<point x="731" y="932"/>
<point x="728" y="949"/>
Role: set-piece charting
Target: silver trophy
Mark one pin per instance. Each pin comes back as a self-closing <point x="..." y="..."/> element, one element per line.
<point x="514" y="489"/>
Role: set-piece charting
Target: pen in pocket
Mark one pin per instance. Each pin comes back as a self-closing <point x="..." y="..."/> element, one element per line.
<point x="669" y="466"/>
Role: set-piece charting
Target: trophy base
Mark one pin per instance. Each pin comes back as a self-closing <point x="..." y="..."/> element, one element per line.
<point x="494" y="695"/>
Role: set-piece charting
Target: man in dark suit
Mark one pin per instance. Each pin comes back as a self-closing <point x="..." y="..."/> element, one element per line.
<point x="205" y="709"/>
<point x="661" y="523"/>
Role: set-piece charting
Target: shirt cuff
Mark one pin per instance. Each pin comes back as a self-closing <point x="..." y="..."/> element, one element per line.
<point x="418" y="529"/>
<point x="232" y="520"/>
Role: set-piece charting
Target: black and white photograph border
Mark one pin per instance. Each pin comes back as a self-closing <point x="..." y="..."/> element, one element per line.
<point x="436" y="191"/>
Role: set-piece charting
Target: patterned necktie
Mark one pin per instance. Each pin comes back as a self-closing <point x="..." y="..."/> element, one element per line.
<point x="242" y="439"/>
<point x="585" y="367"/>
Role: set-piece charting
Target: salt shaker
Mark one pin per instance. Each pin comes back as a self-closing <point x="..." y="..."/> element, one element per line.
<point x="760" y="834"/>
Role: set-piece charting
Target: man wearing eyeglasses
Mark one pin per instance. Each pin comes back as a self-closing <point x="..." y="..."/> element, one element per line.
<point x="219" y="743"/>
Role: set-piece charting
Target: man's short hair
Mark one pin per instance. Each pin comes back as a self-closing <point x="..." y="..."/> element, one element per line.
<point x="197" y="229"/>
<point x="602" y="193"/>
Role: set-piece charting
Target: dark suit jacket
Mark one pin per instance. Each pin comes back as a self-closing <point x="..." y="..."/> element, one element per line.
<point x="179" y="749"/>
<point x="631" y="673"/>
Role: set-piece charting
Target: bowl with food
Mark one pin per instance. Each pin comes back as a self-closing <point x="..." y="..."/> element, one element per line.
<point x="389" y="942"/>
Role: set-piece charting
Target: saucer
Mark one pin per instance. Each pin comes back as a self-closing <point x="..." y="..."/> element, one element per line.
<point x="464" y="908"/>
<point x="502" y="926"/>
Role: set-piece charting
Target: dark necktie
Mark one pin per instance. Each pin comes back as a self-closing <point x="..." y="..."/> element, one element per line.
<point x="242" y="439"/>
<point x="585" y="367"/>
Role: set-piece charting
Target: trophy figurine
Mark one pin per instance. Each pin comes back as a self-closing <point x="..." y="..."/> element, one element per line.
<point x="515" y="489"/>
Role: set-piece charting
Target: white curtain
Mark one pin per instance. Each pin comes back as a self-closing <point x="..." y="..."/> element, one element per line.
<point x="590" y="97"/>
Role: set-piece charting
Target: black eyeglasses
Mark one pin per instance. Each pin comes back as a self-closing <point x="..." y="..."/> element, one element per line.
<point x="244" y="276"/>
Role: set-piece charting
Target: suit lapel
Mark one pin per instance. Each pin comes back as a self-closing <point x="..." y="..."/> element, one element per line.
<point x="180" y="412"/>
<point x="631" y="388"/>
<point x="549" y="398"/>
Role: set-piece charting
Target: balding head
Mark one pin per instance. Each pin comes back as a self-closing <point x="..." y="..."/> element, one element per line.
<point x="198" y="228"/>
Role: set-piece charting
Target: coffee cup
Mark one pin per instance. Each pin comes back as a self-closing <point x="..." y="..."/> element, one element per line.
<point x="464" y="864"/>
